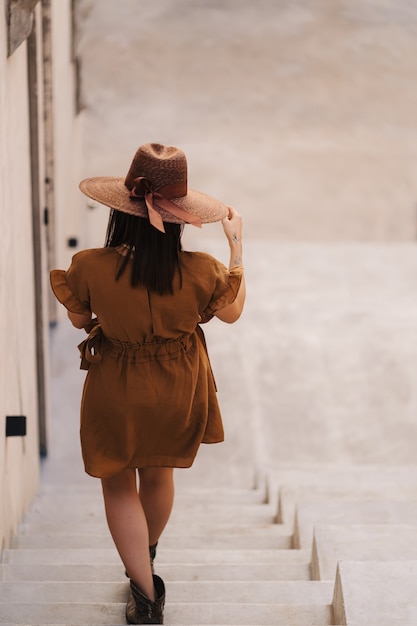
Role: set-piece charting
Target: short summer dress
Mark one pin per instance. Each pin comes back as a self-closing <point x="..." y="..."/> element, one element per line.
<point x="149" y="397"/>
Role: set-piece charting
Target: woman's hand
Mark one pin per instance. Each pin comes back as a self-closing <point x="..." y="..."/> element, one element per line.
<point x="232" y="226"/>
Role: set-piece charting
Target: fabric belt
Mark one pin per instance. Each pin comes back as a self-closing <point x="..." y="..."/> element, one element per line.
<point x="93" y="348"/>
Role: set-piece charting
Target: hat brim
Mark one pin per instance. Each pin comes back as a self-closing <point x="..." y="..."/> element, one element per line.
<point x="112" y="192"/>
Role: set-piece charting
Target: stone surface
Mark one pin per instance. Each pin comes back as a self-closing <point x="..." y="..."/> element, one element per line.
<point x="234" y="592"/>
<point x="183" y="614"/>
<point x="361" y="542"/>
<point x="290" y="497"/>
<point x="377" y="593"/>
<point x="347" y="512"/>
<point x="92" y="572"/>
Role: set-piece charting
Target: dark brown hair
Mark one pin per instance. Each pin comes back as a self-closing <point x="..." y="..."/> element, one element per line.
<point x="155" y="255"/>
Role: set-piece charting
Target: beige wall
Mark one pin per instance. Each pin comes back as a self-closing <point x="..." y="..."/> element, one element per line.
<point x="24" y="320"/>
<point x="67" y="138"/>
<point x="18" y="456"/>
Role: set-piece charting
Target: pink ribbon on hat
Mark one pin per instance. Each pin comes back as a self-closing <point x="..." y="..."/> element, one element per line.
<point x="142" y="188"/>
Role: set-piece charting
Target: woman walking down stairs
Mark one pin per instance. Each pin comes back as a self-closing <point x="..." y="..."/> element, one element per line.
<point x="223" y="557"/>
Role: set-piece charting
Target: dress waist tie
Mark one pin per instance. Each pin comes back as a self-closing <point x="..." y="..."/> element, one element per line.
<point x="91" y="349"/>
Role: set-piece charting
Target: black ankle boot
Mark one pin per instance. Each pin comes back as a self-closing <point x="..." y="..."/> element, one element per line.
<point x="141" y="610"/>
<point x="152" y="555"/>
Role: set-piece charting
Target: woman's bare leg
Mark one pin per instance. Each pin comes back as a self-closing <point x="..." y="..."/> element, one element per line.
<point x="129" y="528"/>
<point x="156" y="493"/>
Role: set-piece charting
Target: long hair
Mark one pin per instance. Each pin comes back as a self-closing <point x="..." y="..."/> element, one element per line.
<point x="155" y="255"/>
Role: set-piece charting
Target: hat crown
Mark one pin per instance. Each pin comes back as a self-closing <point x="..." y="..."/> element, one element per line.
<point x="161" y="165"/>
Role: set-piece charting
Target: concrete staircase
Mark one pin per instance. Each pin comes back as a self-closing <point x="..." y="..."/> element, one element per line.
<point x="307" y="546"/>
<point x="224" y="559"/>
<point x="361" y="522"/>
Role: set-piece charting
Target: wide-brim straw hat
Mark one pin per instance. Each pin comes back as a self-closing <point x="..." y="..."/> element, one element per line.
<point x="156" y="187"/>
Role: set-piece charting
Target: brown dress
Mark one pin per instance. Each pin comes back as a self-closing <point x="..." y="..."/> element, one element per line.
<point x="149" y="397"/>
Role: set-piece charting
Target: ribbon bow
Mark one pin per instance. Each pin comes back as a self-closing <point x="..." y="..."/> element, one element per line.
<point x="143" y="189"/>
<point x="91" y="348"/>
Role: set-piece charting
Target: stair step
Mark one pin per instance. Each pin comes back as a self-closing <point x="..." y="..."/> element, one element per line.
<point x="345" y="512"/>
<point x="90" y="510"/>
<point x="290" y="496"/>
<point x="261" y="591"/>
<point x="264" y="615"/>
<point x="360" y="542"/>
<point x="91" y="572"/>
<point x="231" y="592"/>
<point x="376" y="593"/>
<point x="216" y="495"/>
<point x="265" y="541"/>
<point x="173" y="530"/>
<point x="110" y="556"/>
<point x="42" y="614"/>
<point x="347" y="478"/>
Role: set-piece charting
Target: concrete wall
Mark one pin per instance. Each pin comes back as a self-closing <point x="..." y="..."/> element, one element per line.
<point x="18" y="383"/>
<point x="68" y="125"/>
<point x="24" y="281"/>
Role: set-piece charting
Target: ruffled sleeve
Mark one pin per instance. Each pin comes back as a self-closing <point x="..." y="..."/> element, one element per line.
<point x="227" y="287"/>
<point x="67" y="293"/>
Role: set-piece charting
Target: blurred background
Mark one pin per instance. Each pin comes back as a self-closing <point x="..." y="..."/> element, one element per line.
<point x="299" y="112"/>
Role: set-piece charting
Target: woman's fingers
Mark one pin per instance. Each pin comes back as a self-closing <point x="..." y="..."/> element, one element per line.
<point x="232" y="224"/>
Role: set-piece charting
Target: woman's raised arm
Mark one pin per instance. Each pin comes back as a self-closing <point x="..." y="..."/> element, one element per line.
<point x="232" y="226"/>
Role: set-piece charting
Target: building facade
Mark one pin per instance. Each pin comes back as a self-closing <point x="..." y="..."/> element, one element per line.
<point x="40" y="125"/>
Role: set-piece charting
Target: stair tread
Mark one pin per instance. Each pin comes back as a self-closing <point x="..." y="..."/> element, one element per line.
<point x="224" y="542"/>
<point x="265" y="591"/>
<point x="103" y="555"/>
<point x="309" y="514"/>
<point x="361" y="542"/>
<point x="388" y="588"/>
<point x="172" y="530"/>
<point x="291" y="496"/>
<point x="177" y="613"/>
<point x="184" y="494"/>
<point x="90" y="512"/>
<point x="342" y="476"/>
<point x="286" y="570"/>
<point x="94" y="505"/>
<point x="203" y="502"/>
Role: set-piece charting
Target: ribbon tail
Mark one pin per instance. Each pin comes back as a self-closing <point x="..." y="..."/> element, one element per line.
<point x="90" y="349"/>
<point x="82" y="347"/>
<point x="176" y="210"/>
<point x="154" y="217"/>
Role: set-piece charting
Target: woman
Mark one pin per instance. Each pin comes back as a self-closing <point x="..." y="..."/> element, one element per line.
<point x="149" y="397"/>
